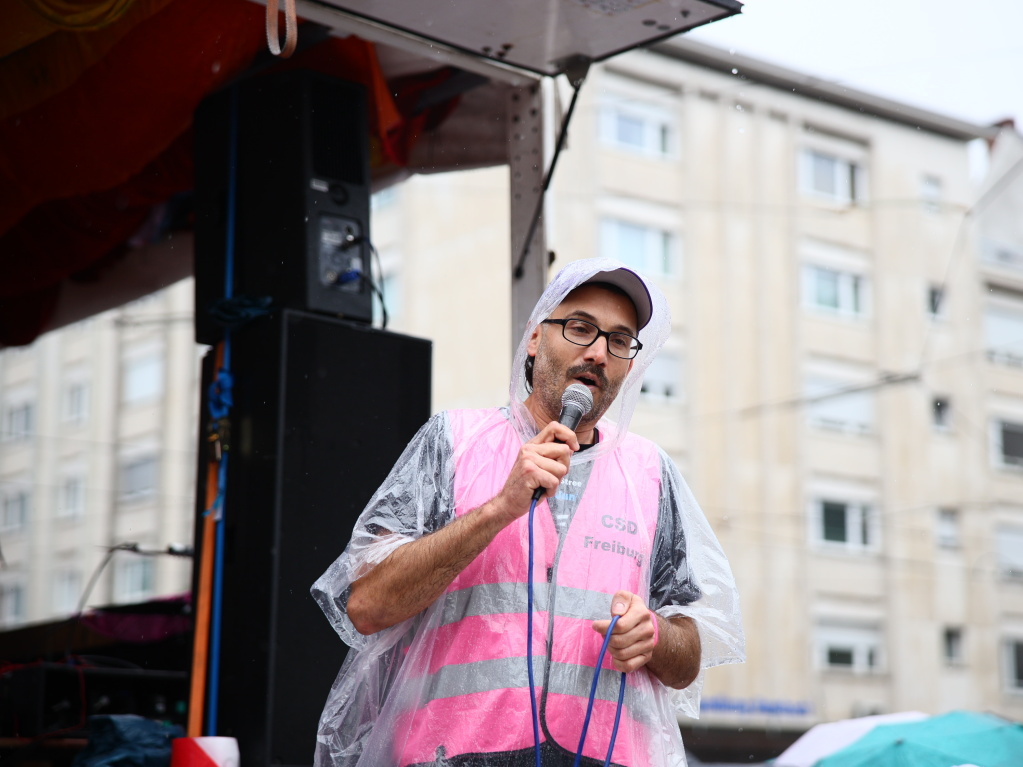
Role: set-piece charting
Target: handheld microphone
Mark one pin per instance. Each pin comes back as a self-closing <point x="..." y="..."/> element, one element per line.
<point x="575" y="403"/>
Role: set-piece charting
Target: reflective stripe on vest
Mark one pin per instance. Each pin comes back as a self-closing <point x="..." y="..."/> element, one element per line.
<point x="477" y="657"/>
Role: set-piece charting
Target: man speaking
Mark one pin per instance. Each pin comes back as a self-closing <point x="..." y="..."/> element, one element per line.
<point x="433" y="591"/>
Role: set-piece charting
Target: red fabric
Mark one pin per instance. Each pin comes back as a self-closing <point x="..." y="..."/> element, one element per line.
<point x="80" y="172"/>
<point x="126" y="627"/>
<point x="407" y="92"/>
<point x="128" y="107"/>
<point x="62" y="237"/>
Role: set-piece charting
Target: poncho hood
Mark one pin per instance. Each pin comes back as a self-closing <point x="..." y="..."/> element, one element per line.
<point x="614" y="425"/>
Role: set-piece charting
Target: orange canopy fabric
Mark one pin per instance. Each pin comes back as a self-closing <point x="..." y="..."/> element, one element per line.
<point x="127" y="107"/>
<point x="94" y="126"/>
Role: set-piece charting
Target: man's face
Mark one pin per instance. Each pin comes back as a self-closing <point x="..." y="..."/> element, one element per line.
<point x="560" y="363"/>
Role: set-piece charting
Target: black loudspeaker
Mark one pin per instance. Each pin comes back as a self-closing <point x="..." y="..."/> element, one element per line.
<point x="322" y="410"/>
<point x="301" y="214"/>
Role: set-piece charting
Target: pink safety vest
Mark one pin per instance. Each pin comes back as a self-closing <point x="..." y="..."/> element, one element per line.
<point x="477" y="693"/>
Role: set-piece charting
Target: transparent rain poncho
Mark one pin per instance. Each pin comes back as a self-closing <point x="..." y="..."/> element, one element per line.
<point x="384" y="675"/>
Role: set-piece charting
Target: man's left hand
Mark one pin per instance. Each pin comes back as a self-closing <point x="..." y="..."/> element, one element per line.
<point x="632" y="642"/>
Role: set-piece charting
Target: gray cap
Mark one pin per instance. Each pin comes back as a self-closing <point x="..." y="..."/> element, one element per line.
<point x="634" y="287"/>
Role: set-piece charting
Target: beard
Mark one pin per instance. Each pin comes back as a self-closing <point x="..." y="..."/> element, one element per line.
<point x="550" y="381"/>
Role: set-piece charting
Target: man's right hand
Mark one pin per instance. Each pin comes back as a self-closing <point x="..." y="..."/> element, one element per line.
<point x="541" y="462"/>
<point x="413" y="576"/>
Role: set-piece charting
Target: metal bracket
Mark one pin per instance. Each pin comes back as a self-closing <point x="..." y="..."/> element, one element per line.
<point x="525" y="174"/>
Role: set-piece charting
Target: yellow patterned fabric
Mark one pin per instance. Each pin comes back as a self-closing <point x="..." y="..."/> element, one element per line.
<point x="21" y="26"/>
<point x="80" y="16"/>
<point x="45" y="67"/>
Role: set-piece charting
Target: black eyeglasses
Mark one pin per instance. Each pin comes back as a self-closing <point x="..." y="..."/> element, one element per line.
<point x="583" y="333"/>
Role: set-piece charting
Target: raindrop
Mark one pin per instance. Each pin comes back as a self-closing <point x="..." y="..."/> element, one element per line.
<point x="735" y="71"/>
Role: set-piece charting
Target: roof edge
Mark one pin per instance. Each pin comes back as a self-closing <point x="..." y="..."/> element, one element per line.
<point x="773" y="75"/>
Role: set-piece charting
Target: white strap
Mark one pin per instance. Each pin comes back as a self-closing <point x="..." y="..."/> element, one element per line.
<point x="290" y="29"/>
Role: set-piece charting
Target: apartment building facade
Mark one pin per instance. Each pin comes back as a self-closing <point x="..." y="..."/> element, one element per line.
<point x="97" y="460"/>
<point x="842" y="388"/>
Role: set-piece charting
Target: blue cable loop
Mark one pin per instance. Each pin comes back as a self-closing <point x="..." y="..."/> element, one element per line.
<point x="220" y="395"/>
<point x="593" y="696"/>
<point x="596" y="671"/>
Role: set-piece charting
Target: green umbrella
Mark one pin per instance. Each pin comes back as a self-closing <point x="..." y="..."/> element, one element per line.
<point x="956" y="738"/>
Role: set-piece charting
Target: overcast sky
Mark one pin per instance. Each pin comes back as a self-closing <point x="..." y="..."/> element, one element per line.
<point x="963" y="59"/>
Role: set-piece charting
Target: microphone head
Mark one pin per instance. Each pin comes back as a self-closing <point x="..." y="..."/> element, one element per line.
<point x="577" y="396"/>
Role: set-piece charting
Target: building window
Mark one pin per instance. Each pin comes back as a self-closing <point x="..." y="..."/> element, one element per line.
<point x="12" y="604"/>
<point x="952" y="646"/>
<point x="941" y="413"/>
<point x="1002" y="254"/>
<point x="1003" y="332"/>
<point x="1008" y="443"/>
<point x="834" y="291"/>
<point x="133" y="579"/>
<point x="930" y="193"/>
<point x="662" y="380"/>
<point x="837" y="405"/>
<point x="139" y="477"/>
<point x="71" y="500"/>
<point x="385" y="198"/>
<point x="67" y="590"/>
<point x="849" y="647"/>
<point x="76" y="402"/>
<point x="143" y="377"/>
<point x="850" y="525"/>
<point x="647" y="249"/>
<point x="1009" y="549"/>
<point x="936" y="302"/>
<point x="19" y="421"/>
<point x="637" y="126"/>
<point x="947" y="533"/>
<point x="830" y="177"/>
<point x="1014" y="664"/>
<point x="15" y="510"/>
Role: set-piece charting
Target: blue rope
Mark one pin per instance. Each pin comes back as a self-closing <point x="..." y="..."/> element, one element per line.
<point x="596" y="671"/>
<point x="213" y="693"/>
<point x="220" y="406"/>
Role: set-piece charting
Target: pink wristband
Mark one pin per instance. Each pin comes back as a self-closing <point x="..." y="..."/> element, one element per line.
<point x="657" y="627"/>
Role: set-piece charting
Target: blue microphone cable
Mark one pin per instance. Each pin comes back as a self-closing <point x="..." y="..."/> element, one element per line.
<point x="593" y="695"/>
<point x="529" y="634"/>
<point x="596" y="671"/>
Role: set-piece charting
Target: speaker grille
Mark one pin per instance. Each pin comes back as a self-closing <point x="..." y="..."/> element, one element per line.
<point x="337" y="117"/>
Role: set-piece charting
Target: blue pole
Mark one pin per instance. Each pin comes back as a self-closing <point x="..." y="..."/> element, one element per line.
<point x="218" y="506"/>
